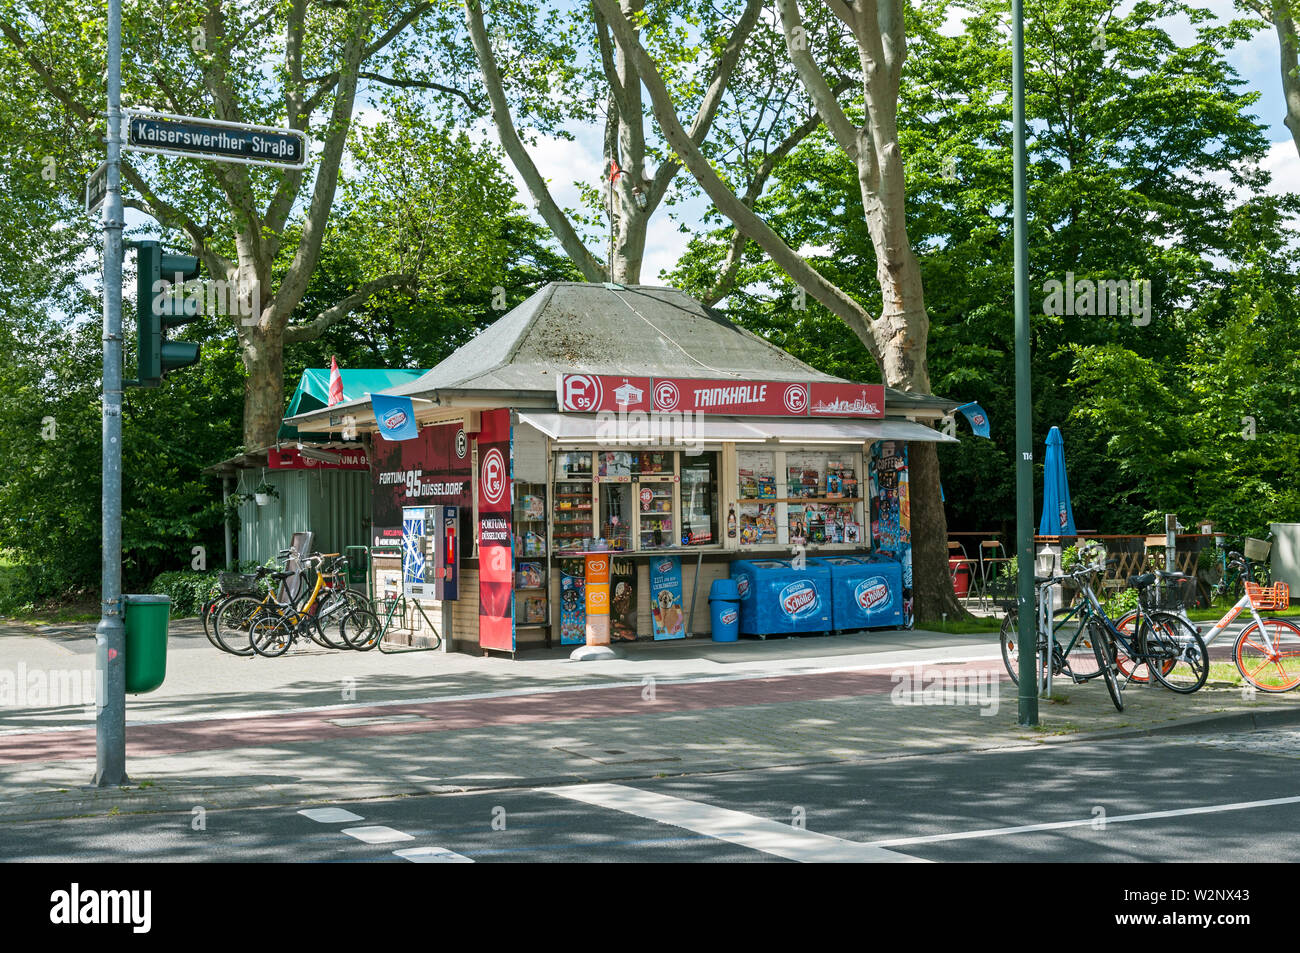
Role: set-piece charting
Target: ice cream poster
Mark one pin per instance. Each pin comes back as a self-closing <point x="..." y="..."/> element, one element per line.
<point x="666" y="598"/>
<point x="573" y="606"/>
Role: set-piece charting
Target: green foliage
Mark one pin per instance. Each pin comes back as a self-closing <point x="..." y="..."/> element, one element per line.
<point x="1120" y="602"/>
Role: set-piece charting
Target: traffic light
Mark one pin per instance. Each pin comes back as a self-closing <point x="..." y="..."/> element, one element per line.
<point x="157" y="308"/>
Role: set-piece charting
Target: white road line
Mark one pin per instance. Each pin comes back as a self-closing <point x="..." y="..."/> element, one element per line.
<point x="330" y="815"/>
<point x="757" y="833"/>
<point x="376" y="835"/>
<point x="666" y="681"/>
<point x="432" y="855"/>
<point x="1084" y="822"/>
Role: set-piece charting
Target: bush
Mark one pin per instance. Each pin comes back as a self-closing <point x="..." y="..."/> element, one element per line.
<point x="189" y="590"/>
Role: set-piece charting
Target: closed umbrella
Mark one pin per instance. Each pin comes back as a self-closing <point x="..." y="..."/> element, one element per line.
<point x="1058" y="517"/>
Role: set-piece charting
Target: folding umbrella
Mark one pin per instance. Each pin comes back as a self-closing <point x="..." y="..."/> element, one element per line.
<point x="1058" y="517"/>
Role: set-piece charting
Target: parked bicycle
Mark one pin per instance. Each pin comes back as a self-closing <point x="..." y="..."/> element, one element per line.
<point x="1159" y="642"/>
<point x="1267" y="651"/>
<point x="331" y="615"/>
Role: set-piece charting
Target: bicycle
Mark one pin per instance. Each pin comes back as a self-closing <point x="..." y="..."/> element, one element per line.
<point x="1233" y="576"/>
<point x="1267" y="651"/>
<point x="257" y="618"/>
<point x="1171" y="649"/>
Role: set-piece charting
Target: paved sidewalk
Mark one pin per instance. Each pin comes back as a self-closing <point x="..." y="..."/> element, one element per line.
<point x="226" y="732"/>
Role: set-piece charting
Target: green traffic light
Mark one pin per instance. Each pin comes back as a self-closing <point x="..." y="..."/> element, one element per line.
<point x="158" y="276"/>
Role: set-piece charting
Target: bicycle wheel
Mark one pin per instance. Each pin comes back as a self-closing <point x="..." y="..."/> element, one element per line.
<point x="1132" y="671"/>
<point x="1269" y="659"/>
<point x="271" y="637"/>
<point x="1103" y="646"/>
<point x="1074" y="642"/>
<point x="208" y="614"/>
<point x="231" y="621"/>
<point x="1010" y="639"/>
<point x="331" y="610"/>
<point x="360" y="629"/>
<point x="1177" y="653"/>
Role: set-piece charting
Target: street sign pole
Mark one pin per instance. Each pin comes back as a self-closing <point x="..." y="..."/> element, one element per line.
<point x="1027" y="616"/>
<point x="110" y="635"/>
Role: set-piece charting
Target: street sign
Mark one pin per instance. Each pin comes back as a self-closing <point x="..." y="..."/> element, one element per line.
<point x="167" y="134"/>
<point x="97" y="189"/>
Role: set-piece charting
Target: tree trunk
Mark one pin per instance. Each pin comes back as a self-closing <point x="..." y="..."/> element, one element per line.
<point x="263" y="356"/>
<point x="1287" y="40"/>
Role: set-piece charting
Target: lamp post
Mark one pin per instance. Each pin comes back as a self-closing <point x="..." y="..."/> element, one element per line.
<point x="1026" y="616"/>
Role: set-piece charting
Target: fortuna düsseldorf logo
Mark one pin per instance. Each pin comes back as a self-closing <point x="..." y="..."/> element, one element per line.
<point x="493" y="479"/>
<point x="796" y="398"/>
<point x="462" y="444"/>
<point x="582" y="392"/>
<point x="666" y="395"/>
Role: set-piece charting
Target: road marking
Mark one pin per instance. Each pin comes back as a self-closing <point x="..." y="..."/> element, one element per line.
<point x="1084" y="822"/>
<point x="376" y="835"/>
<point x="330" y="815"/>
<point x="757" y="833"/>
<point x="432" y="855"/>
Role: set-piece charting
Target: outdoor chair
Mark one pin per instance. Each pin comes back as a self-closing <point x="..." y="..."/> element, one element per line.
<point x="993" y="557"/>
<point x="957" y="561"/>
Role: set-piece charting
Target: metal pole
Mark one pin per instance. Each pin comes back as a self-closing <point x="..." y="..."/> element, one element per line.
<point x="225" y="522"/>
<point x="1028" y="709"/>
<point x="110" y="635"/>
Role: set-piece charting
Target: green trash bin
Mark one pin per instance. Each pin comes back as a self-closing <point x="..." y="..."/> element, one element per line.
<point x="146" y="641"/>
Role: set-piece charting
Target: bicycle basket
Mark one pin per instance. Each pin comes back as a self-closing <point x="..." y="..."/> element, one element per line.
<point x="1256" y="550"/>
<point x="1161" y="596"/>
<point x="235" y="583"/>
<point x="1273" y="598"/>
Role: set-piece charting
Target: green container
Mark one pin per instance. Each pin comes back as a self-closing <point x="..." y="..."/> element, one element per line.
<point x="146" y="642"/>
<point x="358" y="558"/>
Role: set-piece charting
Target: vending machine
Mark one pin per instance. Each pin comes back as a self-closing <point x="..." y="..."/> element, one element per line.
<point x="431" y="552"/>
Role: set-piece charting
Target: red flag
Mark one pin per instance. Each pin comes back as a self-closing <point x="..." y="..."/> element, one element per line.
<point x="336" y="383"/>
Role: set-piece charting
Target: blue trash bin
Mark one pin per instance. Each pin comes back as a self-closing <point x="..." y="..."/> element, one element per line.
<point x="724" y="610"/>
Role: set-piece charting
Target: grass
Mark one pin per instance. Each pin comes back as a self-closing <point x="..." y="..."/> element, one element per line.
<point x="962" y="626"/>
<point x="1215" y="613"/>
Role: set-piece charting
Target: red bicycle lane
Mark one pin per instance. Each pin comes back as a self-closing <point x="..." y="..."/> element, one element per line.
<point x="462" y="714"/>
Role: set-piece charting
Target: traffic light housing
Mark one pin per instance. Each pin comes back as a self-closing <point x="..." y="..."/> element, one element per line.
<point x="158" y="274"/>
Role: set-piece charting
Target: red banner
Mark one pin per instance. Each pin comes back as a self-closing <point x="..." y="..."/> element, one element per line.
<point x="496" y="575"/>
<point x="291" y="459"/>
<point x="431" y="469"/>
<point x="593" y="393"/>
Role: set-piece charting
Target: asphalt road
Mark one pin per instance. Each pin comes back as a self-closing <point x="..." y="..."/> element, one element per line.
<point x="1061" y="802"/>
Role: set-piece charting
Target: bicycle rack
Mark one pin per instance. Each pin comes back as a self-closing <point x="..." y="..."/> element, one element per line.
<point x="401" y="607"/>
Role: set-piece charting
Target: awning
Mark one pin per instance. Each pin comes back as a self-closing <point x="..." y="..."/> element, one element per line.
<point x="314" y="389"/>
<point x="666" y="430"/>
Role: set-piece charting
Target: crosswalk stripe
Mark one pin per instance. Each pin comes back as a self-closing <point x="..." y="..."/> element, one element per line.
<point x="737" y="827"/>
<point x="432" y="855"/>
<point x="377" y="834"/>
<point x="329" y="815"/>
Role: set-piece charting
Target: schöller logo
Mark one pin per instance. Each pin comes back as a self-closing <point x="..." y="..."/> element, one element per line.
<point x="796" y="398"/>
<point x="494" y="476"/>
<point x="77" y="906"/>
<point x="799" y="599"/>
<point x="872" y="593"/>
<point x="666" y="395"/>
<point x="394" y="419"/>
<point x="582" y="392"/>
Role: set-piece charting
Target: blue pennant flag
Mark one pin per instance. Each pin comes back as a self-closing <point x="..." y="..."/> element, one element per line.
<point x="395" y="416"/>
<point x="979" y="421"/>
